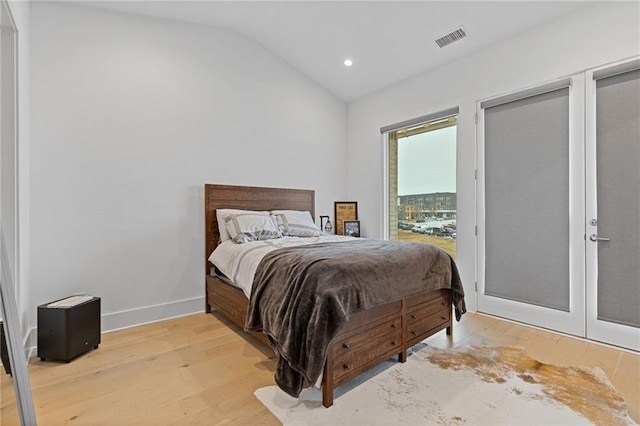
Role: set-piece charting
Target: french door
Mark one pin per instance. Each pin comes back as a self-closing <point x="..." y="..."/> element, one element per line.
<point x="559" y="205"/>
<point x="613" y="204"/>
<point x="530" y="235"/>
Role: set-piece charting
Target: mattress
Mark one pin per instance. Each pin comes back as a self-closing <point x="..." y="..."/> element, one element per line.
<point x="238" y="262"/>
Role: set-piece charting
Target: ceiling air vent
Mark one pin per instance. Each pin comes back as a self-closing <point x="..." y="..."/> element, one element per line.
<point x="455" y="35"/>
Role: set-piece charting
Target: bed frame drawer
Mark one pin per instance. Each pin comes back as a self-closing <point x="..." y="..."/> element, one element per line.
<point x="422" y="328"/>
<point x="354" y="358"/>
<point x="350" y="342"/>
<point x="438" y="296"/>
<point x="362" y="320"/>
<point x="364" y="343"/>
<point x="349" y="351"/>
<point x="423" y="310"/>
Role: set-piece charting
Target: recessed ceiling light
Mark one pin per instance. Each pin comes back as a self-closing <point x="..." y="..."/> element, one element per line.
<point x="348" y="62"/>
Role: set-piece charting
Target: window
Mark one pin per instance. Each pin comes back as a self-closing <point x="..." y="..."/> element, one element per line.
<point x="422" y="180"/>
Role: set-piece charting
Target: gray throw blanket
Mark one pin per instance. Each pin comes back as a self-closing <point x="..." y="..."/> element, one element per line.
<point x="302" y="296"/>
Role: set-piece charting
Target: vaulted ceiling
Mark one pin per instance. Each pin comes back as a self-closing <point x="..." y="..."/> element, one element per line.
<point x="388" y="41"/>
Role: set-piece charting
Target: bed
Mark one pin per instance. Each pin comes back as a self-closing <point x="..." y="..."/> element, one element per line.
<point x="366" y="337"/>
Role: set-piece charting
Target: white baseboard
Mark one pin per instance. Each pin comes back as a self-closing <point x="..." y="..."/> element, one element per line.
<point x="29" y="343"/>
<point x="148" y="314"/>
<point x="133" y="317"/>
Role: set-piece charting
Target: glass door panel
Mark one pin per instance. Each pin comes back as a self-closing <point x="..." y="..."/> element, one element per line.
<point x="531" y="252"/>
<point x="613" y="215"/>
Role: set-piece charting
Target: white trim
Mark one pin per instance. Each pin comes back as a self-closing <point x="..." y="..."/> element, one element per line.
<point x="480" y="208"/>
<point x="15" y="268"/>
<point x="576" y="206"/>
<point x="148" y="314"/>
<point x="16" y="153"/>
<point x="476" y="219"/>
<point x="384" y="228"/>
<point x="29" y="343"/>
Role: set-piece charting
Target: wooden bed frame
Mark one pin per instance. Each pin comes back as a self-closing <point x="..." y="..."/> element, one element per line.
<point x="369" y="338"/>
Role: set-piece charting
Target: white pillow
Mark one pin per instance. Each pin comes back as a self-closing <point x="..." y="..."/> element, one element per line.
<point x="296" y="223"/>
<point x="221" y="214"/>
<point x="245" y="227"/>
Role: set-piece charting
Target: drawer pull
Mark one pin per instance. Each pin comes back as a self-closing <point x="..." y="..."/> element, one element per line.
<point x="346" y="367"/>
<point x="345" y="345"/>
<point x="443" y="317"/>
<point x="394" y="343"/>
<point x="394" y="325"/>
<point x="442" y="303"/>
<point x="414" y="333"/>
<point x="413" y="316"/>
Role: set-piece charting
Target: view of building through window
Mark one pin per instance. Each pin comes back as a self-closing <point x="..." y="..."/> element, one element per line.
<point x="426" y="184"/>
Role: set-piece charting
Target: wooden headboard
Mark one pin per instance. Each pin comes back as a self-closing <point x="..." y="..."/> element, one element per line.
<point x="248" y="198"/>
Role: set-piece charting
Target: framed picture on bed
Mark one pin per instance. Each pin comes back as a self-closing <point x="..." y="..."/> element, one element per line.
<point x="344" y="210"/>
<point x="351" y="228"/>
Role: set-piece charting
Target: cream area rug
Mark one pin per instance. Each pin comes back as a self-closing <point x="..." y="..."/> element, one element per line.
<point x="461" y="386"/>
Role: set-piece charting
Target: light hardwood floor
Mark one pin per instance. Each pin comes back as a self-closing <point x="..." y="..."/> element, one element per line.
<point x="202" y="370"/>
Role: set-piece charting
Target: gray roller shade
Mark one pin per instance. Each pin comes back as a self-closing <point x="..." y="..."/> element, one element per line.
<point x="527" y="197"/>
<point x="523" y="94"/>
<point x="618" y="201"/>
<point x="617" y="70"/>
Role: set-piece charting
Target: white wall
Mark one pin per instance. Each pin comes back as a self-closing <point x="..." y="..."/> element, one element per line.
<point x="592" y="36"/>
<point x="131" y="116"/>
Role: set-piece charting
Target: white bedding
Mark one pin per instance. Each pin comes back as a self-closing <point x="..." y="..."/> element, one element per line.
<point x="239" y="262"/>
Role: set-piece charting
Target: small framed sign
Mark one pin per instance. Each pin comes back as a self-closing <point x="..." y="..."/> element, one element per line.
<point x="344" y="210"/>
<point x="351" y="228"/>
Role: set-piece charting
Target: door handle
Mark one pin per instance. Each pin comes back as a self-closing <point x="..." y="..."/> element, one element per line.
<point x="595" y="238"/>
